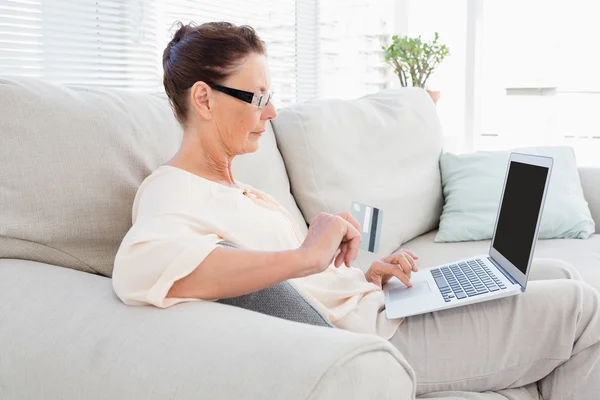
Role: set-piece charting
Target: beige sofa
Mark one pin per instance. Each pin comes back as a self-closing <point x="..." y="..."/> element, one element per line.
<point x="72" y="159"/>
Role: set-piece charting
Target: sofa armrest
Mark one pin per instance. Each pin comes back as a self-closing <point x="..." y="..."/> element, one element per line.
<point x="590" y="181"/>
<point x="64" y="334"/>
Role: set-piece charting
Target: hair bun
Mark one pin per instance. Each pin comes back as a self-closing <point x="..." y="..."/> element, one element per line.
<point x="182" y="31"/>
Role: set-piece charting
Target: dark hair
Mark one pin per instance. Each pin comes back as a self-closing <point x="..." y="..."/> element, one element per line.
<point x="208" y="52"/>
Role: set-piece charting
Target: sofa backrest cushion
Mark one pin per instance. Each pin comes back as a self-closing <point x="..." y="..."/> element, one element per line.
<point x="73" y="159"/>
<point x="381" y="150"/>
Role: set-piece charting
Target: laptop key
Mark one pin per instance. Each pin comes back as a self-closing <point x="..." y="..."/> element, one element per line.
<point x="461" y="295"/>
<point x="441" y="282"/>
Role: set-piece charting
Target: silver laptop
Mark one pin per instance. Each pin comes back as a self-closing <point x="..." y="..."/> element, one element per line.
<point x="500" y="273"/>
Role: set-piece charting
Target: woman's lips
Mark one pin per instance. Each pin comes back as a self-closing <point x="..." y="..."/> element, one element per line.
<point x="258" y="133"/>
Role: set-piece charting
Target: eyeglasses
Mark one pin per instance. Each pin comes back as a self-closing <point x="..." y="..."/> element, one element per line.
<point x="260" y="100"/>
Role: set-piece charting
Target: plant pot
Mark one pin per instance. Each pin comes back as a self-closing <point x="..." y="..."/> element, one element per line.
<point x="435" y="95"/>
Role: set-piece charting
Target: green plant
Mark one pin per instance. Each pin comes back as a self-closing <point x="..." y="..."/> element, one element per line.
<point x="412" y="58"/>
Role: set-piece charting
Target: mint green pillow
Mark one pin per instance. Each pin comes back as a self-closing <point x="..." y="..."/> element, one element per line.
<point x="472" y="186"/>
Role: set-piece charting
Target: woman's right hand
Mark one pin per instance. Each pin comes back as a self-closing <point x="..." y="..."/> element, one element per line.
<point x="329" y="233"/>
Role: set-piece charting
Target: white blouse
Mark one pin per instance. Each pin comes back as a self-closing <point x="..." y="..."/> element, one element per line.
<point x="178" y="219"/>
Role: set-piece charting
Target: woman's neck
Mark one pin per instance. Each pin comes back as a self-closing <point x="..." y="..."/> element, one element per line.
<point x="206" y="159"/>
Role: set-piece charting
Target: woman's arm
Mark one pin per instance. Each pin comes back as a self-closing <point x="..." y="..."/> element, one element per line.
<point x="228" y="272"/>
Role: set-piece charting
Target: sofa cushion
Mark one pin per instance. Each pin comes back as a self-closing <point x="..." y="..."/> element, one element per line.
<point x="472" y="185"/>
<point x="72" y="160"/>
<point x="529" y="392"/>
<point x="590" y="181"/>
<point x="381" y="150"/>
<point x="65" y="335"/>
<point x="583" y="254"/>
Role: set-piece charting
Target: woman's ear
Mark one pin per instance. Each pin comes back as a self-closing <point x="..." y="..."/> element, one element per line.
<point x="201" y="99"/>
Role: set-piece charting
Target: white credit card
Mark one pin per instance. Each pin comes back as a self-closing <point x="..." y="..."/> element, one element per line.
<point x="370" y="219"/>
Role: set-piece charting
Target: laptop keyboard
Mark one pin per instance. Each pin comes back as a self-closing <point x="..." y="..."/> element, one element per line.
<point x="466" y="279"/>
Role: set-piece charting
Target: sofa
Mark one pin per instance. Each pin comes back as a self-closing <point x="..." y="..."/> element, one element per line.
<point x="72" y="160"/>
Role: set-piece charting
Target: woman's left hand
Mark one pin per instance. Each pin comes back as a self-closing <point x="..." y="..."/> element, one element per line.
<point x="400" y="264"/>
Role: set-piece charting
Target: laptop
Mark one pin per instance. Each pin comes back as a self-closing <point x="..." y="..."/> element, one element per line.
<point x="504" y="270"/>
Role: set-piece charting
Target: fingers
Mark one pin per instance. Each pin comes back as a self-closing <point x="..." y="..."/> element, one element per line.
<point x="348" y="217"/>
<point x="403" y="255"/>
<point x="345" y="249"/>
<point x="394" y="270"/>
<point x="410" y="253"/>
<point x="412" y="263"/>
<point x="339" y="260"/>
<point x="402" y="261"/>
<point x="350" y="241"/>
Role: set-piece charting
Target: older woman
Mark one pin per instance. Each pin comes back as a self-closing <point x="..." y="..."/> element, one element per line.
<point x="217" y="80"/>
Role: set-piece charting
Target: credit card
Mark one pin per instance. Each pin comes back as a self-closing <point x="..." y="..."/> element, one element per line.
<point x="370" y="219"/>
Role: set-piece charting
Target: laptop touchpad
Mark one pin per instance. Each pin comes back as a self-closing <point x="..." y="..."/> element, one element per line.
<point x="418" y="289"/>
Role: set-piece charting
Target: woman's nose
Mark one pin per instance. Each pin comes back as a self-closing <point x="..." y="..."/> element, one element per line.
<point x="269" y="112"/>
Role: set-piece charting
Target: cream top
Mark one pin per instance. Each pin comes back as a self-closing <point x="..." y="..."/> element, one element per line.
<point x="178" y="219"/>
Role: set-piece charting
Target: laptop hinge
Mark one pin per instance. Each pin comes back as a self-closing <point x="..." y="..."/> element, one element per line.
<point x="506" y="274"/>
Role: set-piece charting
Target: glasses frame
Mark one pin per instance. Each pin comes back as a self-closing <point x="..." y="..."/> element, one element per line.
<point x="255" y="99"/>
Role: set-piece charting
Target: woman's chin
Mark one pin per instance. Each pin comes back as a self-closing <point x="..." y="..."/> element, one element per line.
<point x="252" y="146"/>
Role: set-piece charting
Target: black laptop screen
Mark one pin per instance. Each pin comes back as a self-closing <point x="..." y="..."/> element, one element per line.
<point x="519" y="212"/>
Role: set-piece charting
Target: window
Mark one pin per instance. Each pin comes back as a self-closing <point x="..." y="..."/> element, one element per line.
<point x="539" y="79"/>
<point x="520" y="73"/>
<point x="352" y="33"/>
<point x="119" y="43"/>
<point x="449" y="19"/>
<point x="84" y="42"/>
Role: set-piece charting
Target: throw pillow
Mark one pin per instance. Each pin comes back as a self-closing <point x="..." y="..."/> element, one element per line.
<point x="472" y="187"/>
<point x="281" y="300"/>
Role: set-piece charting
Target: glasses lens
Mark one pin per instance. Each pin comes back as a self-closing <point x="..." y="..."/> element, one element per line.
<point x="263" y="100"/>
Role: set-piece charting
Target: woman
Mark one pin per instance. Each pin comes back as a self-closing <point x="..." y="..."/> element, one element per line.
<point x="217" y="80"/>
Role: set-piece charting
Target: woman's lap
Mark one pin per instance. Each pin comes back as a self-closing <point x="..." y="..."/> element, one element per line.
<point x="552" y="268"/>
<point x="501" y="343"/>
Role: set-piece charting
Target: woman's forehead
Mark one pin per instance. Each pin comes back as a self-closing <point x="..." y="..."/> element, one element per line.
<point x="253" y="73"/>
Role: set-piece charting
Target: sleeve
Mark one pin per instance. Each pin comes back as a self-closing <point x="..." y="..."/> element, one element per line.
<point x="166" y="243"/>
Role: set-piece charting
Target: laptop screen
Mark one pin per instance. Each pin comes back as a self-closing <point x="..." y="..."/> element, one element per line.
<point x="519" y="212"/>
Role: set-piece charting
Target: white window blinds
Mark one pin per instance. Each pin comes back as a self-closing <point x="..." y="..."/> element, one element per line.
<point x="108" y="43"/>
<point x="119" y="43"/>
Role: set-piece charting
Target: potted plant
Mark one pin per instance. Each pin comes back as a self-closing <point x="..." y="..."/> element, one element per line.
<point x="414" y="60"/>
